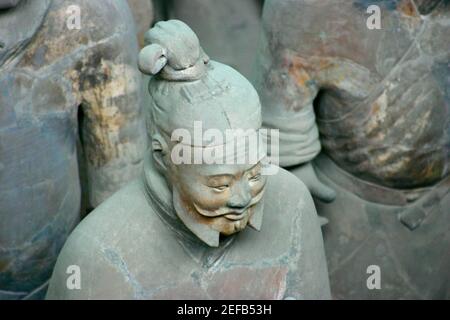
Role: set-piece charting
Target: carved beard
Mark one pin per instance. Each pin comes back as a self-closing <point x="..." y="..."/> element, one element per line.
<point x="207" y="228"/>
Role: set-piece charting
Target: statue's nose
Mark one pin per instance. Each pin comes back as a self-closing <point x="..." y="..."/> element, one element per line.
<point x="241" y="197"/>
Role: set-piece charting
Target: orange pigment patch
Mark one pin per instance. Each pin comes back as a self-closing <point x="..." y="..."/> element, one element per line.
<point x="407" y="8"/>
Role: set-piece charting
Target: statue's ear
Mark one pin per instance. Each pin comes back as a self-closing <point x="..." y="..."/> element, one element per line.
<point x="159" y="150"/>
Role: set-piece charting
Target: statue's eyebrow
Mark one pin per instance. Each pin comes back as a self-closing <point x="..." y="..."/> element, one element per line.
<point x="220" y="175"/>
<point x="256" y="165"/>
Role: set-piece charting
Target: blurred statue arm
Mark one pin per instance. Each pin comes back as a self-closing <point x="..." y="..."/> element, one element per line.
<point x="288" y="85"/>
<point x="111" y="120"/>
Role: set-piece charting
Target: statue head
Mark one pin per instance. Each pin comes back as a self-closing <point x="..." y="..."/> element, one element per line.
<point x="7" y="4"/>
<point x="203" y="116"/>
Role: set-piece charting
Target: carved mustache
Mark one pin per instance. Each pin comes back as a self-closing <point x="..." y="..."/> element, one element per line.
<point x="230" y="211"/>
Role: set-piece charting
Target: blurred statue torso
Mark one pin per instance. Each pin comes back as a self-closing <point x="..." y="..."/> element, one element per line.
<point x="57" y="86"/>
<point x="377" y="103"/>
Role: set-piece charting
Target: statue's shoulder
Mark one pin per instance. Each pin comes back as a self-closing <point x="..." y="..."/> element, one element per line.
<point x="289" y="212"/>
<point x="286" y="186"/>
<point x="290" y="218"/>
<point x="106" y="245"/>
<point x="285" y="179"/>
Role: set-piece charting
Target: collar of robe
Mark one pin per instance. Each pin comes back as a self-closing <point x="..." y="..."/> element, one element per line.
<point x="18" y="25"/>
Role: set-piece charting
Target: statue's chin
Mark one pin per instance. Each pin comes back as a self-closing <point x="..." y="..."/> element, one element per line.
<point x="7" y="4"/>
<point x="228" y="227"/>
<point x="207" y="228"/>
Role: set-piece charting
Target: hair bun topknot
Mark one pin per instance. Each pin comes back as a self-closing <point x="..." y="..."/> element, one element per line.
<point x="173" y="52"/>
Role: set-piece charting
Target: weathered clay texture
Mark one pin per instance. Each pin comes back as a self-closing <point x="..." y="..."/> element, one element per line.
<point x="56" y="86"/>
<point x="379" y="100"/>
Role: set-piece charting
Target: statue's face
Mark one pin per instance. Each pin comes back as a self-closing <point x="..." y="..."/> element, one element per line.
<point x="6" y="4"/>
<point x="222" y="197"/>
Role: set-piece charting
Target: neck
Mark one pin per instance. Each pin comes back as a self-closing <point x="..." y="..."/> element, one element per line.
<point x="160" y="198"/>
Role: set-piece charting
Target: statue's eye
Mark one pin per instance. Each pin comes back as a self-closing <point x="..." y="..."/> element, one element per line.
<point x="220" y="188"/>
<point x="255" y="178"/>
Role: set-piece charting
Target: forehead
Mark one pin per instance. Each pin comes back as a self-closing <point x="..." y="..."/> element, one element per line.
<point x="223" y="99"/>
<point x="206" y="170"/>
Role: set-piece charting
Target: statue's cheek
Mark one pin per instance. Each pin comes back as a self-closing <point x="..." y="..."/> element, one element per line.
<point x="211" y="200"/>
<point x="258" y="187"/>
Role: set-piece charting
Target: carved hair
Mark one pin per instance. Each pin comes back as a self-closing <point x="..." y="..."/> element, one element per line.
<point x="173" y="52"/>
<point x="186" y="87"/>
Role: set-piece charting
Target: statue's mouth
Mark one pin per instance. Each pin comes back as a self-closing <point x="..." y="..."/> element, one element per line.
<point x="237" y="216"/>
<point x="230" y="213"/>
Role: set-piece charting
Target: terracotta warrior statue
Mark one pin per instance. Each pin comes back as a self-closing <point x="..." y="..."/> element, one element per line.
<point x="60" y="84"/>
<point x="367" y="83"/>
<point x="197" y="229"/>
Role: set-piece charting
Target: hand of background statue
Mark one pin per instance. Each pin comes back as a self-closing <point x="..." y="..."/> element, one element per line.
<point x="319" y="190"/>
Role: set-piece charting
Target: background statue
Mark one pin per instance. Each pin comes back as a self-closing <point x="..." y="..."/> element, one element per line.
<point x="379" y="98"/>
<point x="181" y="231"/>
<point x="228" y="30"/>
<point x="60" y="82"/>
<point x="142" y="11"/>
